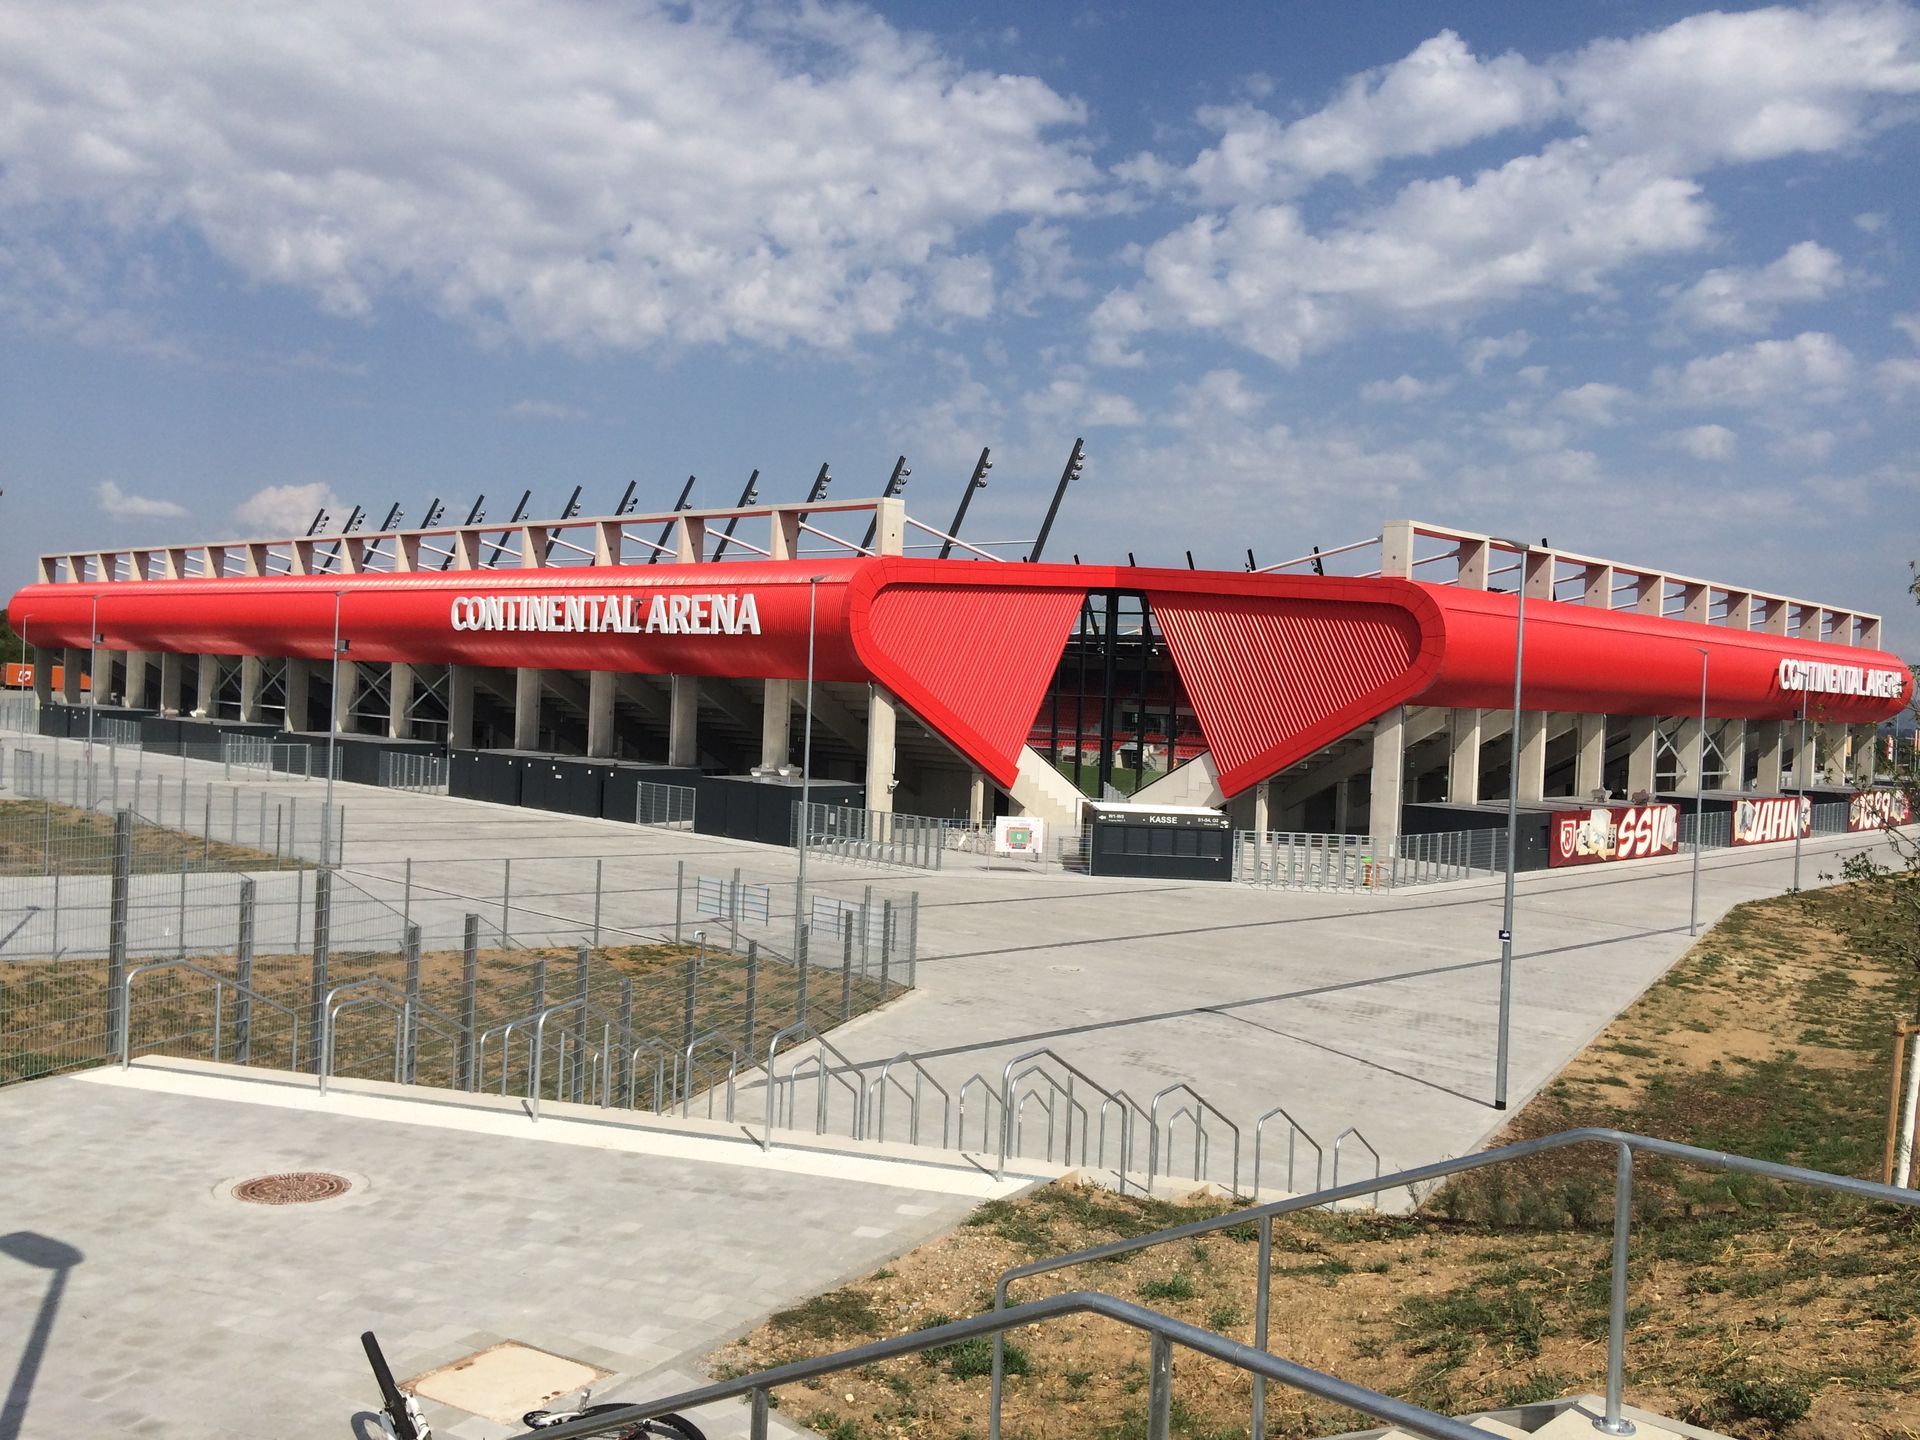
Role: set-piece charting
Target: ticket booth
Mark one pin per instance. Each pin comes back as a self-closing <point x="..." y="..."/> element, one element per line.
<point x="1166" y="842"/>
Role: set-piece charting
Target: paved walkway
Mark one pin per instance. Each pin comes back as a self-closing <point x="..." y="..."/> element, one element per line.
<point x="179" y="1311"/>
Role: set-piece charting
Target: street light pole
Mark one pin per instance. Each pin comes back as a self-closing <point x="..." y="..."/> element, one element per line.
<point x="1800" y="785"/>
<point x="806" y="773"/>
<point x="1513" y="830"/>
<point x="1699" y="795"/>
<point x="333" y="738"/>
<point x="93" y="681"/>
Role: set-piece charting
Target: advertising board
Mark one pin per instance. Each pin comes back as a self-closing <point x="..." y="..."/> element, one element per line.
<point x="1620" y="832"/>
<point x="1879" y="810"/>
<point x="1019" y="835"/>
<point x="1774" y="817"/>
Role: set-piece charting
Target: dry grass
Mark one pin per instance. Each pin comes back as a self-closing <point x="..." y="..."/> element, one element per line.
<point x="36" y="837"/>
<point x="1755" y="1310"/>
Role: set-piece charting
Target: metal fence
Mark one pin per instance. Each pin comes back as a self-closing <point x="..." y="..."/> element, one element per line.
<point x="20" y="711"/>
<point x="668" y="806"/>
<point x="872" y="837"/>
<point x="1294" y="861"/>
<point x="1449" y="855"/>
<point x="424" y="772"/>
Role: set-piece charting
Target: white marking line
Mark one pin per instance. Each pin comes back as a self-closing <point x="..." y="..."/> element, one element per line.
<point x="553" y="1130"/>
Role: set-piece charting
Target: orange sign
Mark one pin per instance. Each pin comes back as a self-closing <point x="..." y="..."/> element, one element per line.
<point x="20" y="677"/>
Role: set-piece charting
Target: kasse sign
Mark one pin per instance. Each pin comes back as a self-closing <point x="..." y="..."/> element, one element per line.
<point x="700" y="614"/>
<point x="1824" y="679"/>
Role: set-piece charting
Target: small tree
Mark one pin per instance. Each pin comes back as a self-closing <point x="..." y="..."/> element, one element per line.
<point x="13" y="650"/>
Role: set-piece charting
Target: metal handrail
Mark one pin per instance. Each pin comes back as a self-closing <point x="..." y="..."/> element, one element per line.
<point x="1165" y="1333"/>
<point x="1625" y="1146"/>
<point x="1200" y="1102"/>
<point x="1294" y="1130"/>
<point x="126" y="1005"/>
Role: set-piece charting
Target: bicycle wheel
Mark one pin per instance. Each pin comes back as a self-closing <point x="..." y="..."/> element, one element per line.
<point x="675" y="1427"/>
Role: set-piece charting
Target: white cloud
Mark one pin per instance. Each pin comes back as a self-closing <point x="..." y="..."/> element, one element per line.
<point x="544" y="410"/>
<point x="1872" y="222"/>
<point x="1897" y="379"/>
<point x="1216" y="396"/>
<point x="1804" y="445"/>
<point x="1811" y="367"/>
<point x="1402" y="390"/>
<point x="1068" y="399"/>
<point x="117" y="504"/>
<point x="1593" y="403"/>
<point x="1705" y="442"/>
<point x="567" y="173"/>
<point x="1437" y="98"/>
<point x="1043" y="266"/>
<point x="1909" y="325"/>
<point x="1485" y="349"/>
<point x="1748" y="298"/>
<point x="963" y="285"/>
<point x="287" y="509"/>
<point x="1650" y="115"/>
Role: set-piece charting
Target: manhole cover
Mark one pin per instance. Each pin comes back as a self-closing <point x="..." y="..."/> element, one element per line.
<point x="293" y="1187"/>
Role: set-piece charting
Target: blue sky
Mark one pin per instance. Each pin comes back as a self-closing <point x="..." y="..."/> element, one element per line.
<point x="1635" y="277"/>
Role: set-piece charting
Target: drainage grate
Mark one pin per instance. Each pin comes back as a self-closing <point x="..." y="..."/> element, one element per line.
<point x="294" y="1187"/>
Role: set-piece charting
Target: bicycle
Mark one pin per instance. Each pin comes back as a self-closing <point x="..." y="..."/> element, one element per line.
<point x="401" y="1419"/>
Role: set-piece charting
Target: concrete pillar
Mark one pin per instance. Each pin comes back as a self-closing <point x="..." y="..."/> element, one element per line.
<point x="136" y="690"/>
<point x="683" y="721"/>
<point x="1687" y="753"/>
<point x="1804" y="749"/>
<point x="206" y="689"/>
<point x="1463" y="757"/>
<point x="460" y="707"/>
<point x="71" y="667"/>
<point x="252" y="672"/>
<point x="1770" y="741"/>
<point x="1532" y="780"/>
<point x="1342" y="806"/>
<point x="1590" y="760"/>
<point x="1733" y="749"/>
<point x="977" y="798"/>
<point x="1642" y="751"/>
<point x="299" y="694"/>
<point x="345" y="689"/>
<point x="1389" y="781"/>
<point x="1866" y="740"/>
<point x="526" y="709"/>
<point x="1263" y="808"/>
<point x="172" y="666"/>
<point x="100" y="673"/>
<point x="42" y="675"/>
<point x="400" y="682"/>
<point x="601" y="687"/>
<point x="776" y="724"/>
<point x="1834" y="767"/>
<point x="882" y="719"/>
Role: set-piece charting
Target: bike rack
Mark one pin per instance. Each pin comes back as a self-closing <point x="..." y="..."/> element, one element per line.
<point x="404" y="1012"/>
<point x="686" y="1086"/>
<point x="1353" y="1131"/>
<point x="876" y="1101"/>
<point x="219" y="981"/>
<point x="989" y="1098"/>
<point x="662" y="1055"/>
<point x="1198" y="1104"/>
<point x="1295" y="1130"/>
<point x="804" y="1030"/>
<point x="1054" y="1094"/>
<point x="1008" y="1114"/>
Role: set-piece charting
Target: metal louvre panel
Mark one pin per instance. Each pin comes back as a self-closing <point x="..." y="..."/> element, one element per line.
<point x="971" y="661"/>
<point x="1271" y="680"/>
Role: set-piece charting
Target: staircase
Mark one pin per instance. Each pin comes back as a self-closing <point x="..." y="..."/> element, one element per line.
<point x="1044" y="793"/>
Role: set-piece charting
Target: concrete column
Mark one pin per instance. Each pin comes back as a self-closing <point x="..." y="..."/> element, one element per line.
<point x="1770" y="739"/>
<point x="400" y="682"/>
<point x="1835" y="767"/>
<point x="1642" y="751"/>
<point x="172" y="667"/>
<point x="299" y="694"/>
<point x="882" y="719"/>
<point x="1463" y="757"/>
<point x="1865" y="740"/>
<point x="776" y="724"/>
<point x="460" y="707"/>
<point x="1389" y="781"/>
<point x="1804" y="753"/>
<point x="977" y="798"/>
<point x="601" y="685"/>
<point x="1342" y="806"/>
<point x="346" y="689"/>
<point x="1590" y="761"/>
<point x="207" y="686"/>
<point x="1263" y="808"/>
<point x="70" y="670"/>
<point x="1532" y="779"/>
<point x="252" y="672"/>
<point x="1733" y="747"/>
<point x="1686" y="752"/>
<point x="526" y="709"/>
<point x="137" y="679"/>
<point x="100" y="672"/>
<point x="683" y="721"/>
<point x="42" y="675"/>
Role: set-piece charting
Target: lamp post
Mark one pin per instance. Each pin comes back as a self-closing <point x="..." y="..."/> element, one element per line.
<point x="93" y="680"/>
<point x="806" y="772"/>
<point x="1699" y="796"/>
<point x="1800" y="785"/>
<point x="333" y="738"/>
<point x="1513" y="829"/>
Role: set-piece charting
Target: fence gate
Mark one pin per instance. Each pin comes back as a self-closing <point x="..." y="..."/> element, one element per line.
<point x="874" y="837"/>
<point x="1308" y="862"/>
<point x="423" y="771"/>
